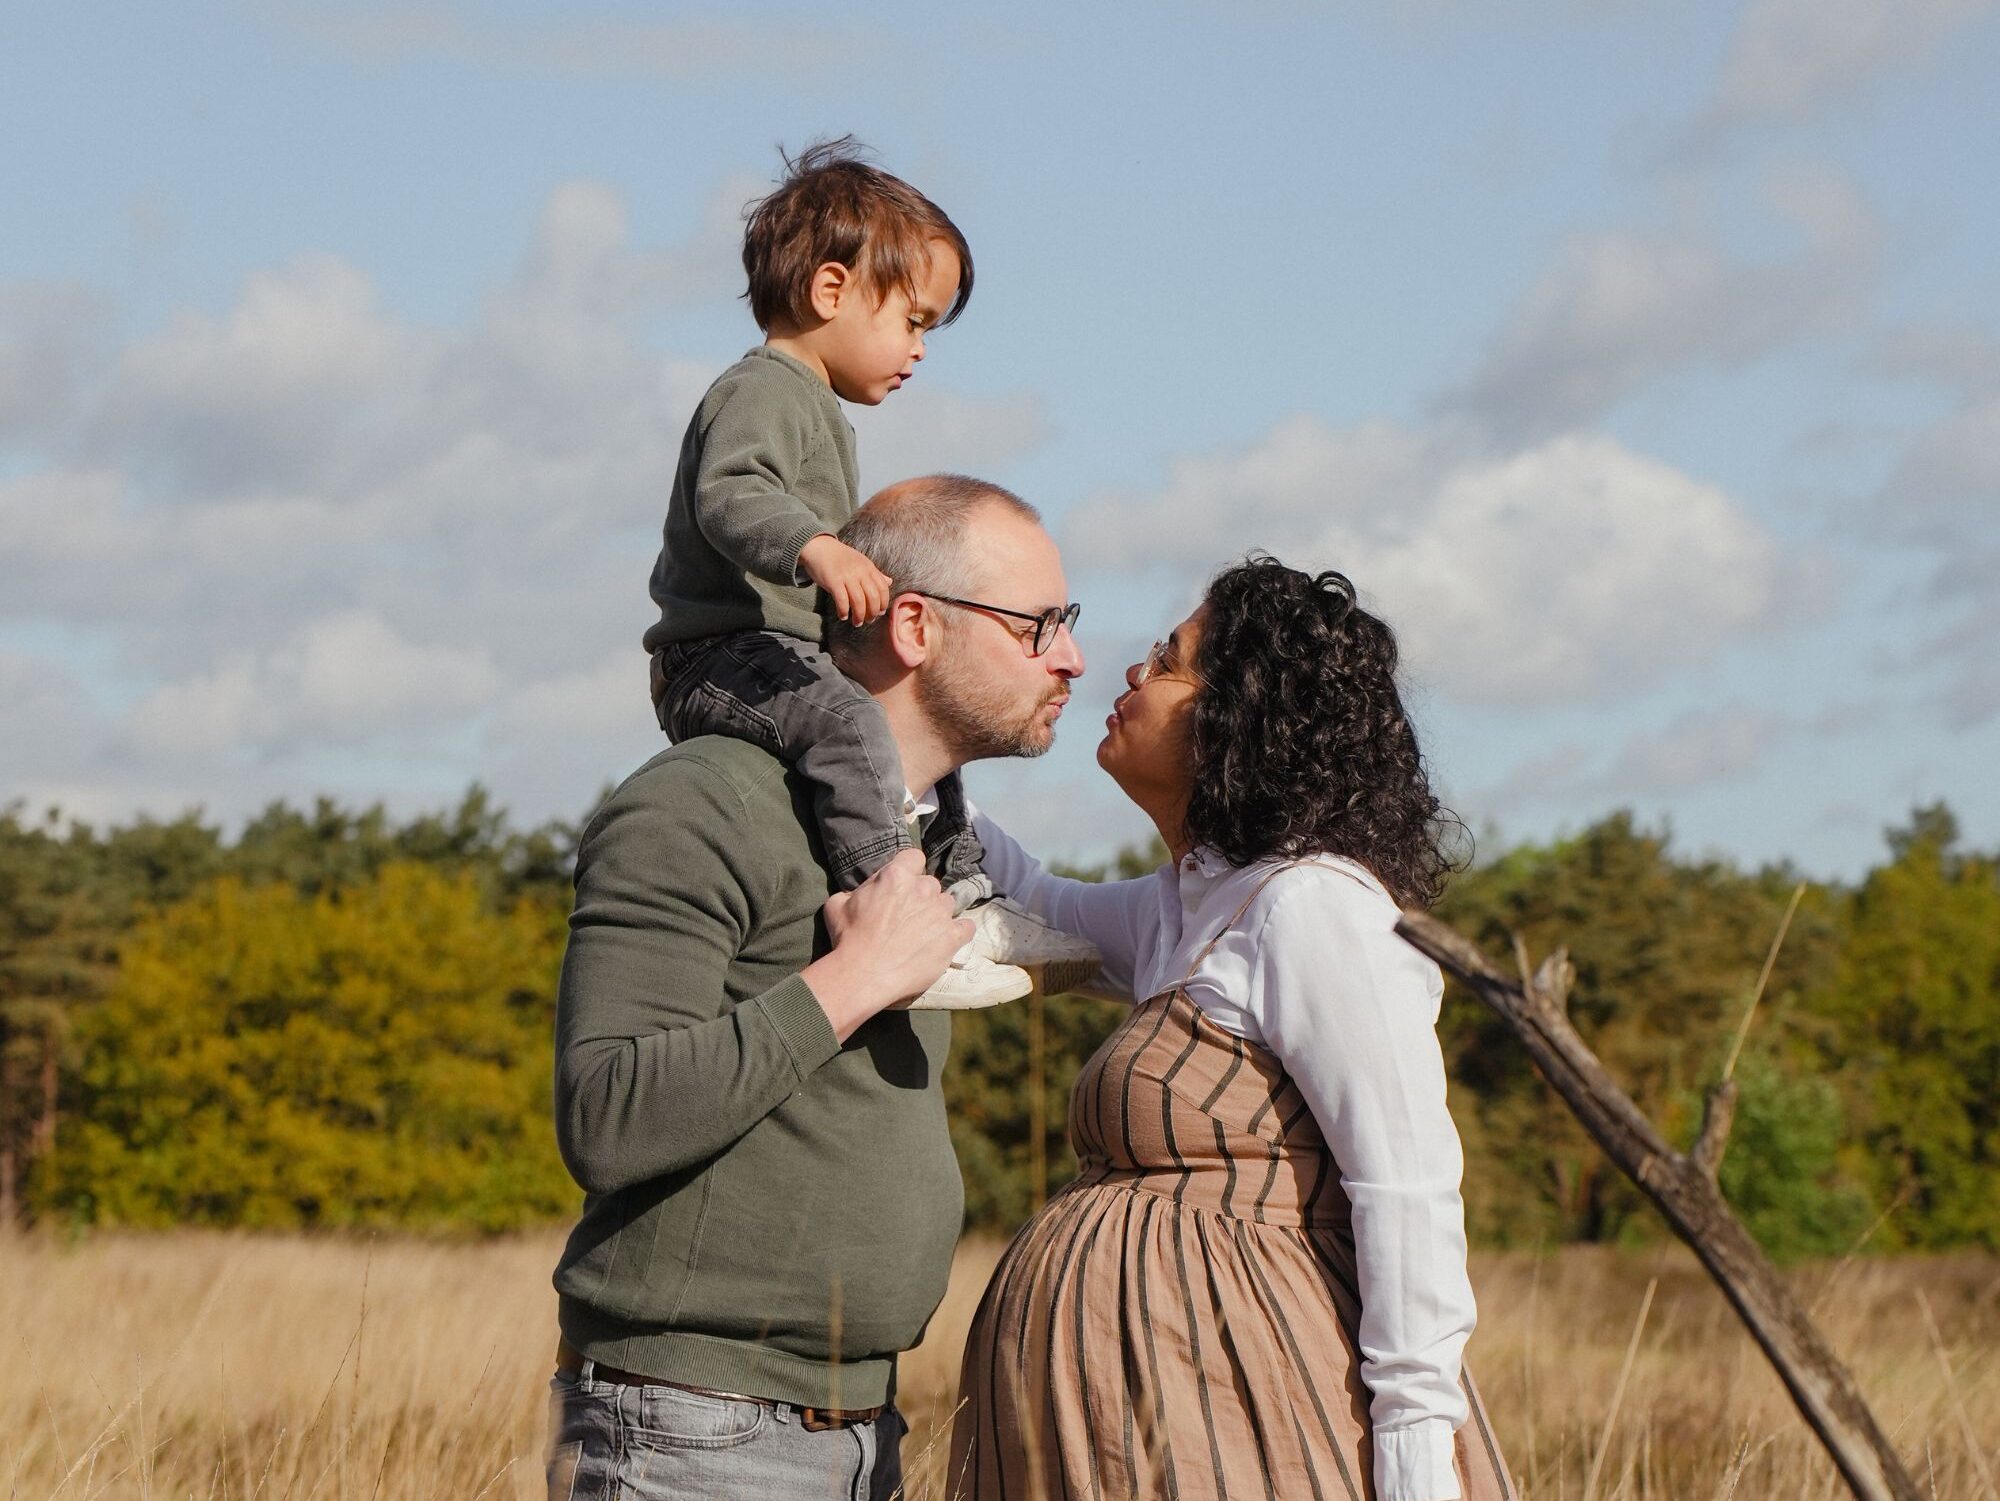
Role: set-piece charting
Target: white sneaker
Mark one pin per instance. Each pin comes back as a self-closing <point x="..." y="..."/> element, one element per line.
<point x="1009" y="934"/>
<point x="972" y="983"/>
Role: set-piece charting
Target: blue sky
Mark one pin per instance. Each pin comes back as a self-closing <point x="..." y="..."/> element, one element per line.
<point x="1640" y="361"/>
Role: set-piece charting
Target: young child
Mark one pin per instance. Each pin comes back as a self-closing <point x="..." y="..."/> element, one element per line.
<point x="849" y="268"/>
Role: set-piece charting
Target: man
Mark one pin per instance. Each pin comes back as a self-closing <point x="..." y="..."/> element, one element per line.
<point x="772" y="1200"/>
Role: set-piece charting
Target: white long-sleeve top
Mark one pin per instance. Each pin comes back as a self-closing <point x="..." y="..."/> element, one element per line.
<point x="1314" y="973"/>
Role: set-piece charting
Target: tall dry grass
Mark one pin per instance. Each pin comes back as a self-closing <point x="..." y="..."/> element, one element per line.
<point x="231" y="1368"/>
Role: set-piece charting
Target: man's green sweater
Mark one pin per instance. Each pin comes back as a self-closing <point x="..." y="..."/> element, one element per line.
<point x="768" y="1211"/>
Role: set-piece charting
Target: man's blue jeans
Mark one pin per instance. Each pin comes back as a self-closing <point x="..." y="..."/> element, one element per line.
<point x="609" y="1442"/>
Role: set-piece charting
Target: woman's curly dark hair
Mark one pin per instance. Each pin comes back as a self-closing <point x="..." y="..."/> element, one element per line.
<point x="1299" y="738"/>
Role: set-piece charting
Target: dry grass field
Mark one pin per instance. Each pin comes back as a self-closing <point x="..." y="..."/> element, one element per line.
<point x="241" y="1367"/>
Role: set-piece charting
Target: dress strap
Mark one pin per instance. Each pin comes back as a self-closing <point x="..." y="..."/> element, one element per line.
<point x="1209" y="947"/>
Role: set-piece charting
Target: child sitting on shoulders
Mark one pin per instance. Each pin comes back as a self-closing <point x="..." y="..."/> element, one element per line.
<point x="849" y="269"/>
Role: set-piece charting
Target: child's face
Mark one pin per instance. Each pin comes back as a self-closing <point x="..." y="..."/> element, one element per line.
<point x="870" y="348"/>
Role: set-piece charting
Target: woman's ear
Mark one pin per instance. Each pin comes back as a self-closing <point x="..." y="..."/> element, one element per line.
<point x="831" y="281"/>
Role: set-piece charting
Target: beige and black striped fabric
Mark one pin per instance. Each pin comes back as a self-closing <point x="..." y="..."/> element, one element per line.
<point x="1180" y="1320"/>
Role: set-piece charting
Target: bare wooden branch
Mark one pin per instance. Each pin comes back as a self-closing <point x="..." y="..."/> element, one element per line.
<point x="1523" y="963"/>
<point x="1687" y="1196"/>
<point x="1718" y="1114"/>
<point x="1553" y="980"/>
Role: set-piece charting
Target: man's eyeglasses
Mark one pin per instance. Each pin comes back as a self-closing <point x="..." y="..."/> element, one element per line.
<point x="1047" y="623"/>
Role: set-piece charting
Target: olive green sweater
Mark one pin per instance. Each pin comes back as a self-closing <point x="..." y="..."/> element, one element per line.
<point x="767" y="465"/>
<point x="768" y="1211"/>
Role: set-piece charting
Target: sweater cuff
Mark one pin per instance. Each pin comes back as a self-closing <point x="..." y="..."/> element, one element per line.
<point x="1415" y="1463"/>
<point x="796" y="544"/>
<point x="792" y="1008"/>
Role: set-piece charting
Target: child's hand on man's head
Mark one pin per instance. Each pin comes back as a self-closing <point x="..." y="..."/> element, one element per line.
<point x="857" y="589"/>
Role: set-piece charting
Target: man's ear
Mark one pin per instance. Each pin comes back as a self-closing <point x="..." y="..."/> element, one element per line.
<point x="911" y="631"/>
<point x="831" y="281"/>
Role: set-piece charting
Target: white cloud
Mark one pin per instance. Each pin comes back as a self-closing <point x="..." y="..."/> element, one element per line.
<point x="345" y="678"/>
<point x="1619" y="310"/>
<point x="55" y="524"/>
<point x="930" y="429"/>
<point x="49" y="332"/>
<point x="1278" y="487"/>
<point x="317" y="546"/>
<point x="1792" y="59"/>
<point x="1970" y="696"/>
<point x="305" y="362"/>
<point x="597" y="700"/>
<point x="1718" y="745"/>
<point x="1943" y="496"/>
<point x="50" y="719"/>
<point x="1550" y="778"/>
<point x="1572" y="570"/>
<point x="1950" y="470"/>
<point x="1958" y="357"/>
<point x="1945" y="485"/>
<point x="1696" y="749"/>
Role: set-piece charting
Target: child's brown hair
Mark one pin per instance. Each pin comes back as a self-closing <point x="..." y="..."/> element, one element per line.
<point x="833" y="206"/>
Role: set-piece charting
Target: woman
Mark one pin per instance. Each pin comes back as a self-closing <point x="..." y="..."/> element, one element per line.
<point x="1256" y="1286"/>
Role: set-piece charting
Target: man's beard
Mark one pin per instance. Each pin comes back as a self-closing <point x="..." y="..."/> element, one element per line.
<point x="978" y="720"/>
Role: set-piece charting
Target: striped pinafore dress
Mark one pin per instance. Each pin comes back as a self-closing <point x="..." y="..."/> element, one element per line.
<point x="1180" y="1320"/>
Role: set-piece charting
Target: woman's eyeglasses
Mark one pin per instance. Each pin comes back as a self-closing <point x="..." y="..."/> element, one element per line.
<point x="1047" y="622"/>
<point x="1160" y="660"/>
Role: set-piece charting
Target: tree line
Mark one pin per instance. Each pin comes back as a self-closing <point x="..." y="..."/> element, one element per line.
<point x="337" y="1019"/>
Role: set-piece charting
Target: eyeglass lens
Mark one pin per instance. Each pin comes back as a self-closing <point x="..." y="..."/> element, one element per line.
<point x="1049" y="622"/>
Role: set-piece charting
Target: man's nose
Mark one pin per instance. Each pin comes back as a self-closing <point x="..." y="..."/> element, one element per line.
<point x="1065" y="656"/>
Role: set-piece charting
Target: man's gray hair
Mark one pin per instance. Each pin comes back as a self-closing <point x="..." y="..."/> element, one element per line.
<point x="917" y="531"/>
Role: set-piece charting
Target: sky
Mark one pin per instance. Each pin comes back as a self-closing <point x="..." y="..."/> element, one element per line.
<point x="1638" y="359"/>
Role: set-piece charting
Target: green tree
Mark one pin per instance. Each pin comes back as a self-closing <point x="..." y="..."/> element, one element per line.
<point x="1007" y="1089"/>
<point x="1918" y="1011"/>
<point x="67" y="894"/>
<point x="70" y="893"/>
<point x="376" y="1054"/>
<point x="331" y="846"/>
<point x="991" y="1100"/>
<point x="1783" y="1173"/>
<point x="1666" y="953"/>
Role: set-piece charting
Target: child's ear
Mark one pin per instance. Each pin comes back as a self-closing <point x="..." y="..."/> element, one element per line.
<point x="831" y="281"/>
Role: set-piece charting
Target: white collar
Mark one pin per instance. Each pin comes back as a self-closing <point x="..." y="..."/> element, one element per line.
<point x="1206" y="861"/>
<point x="1205" y="866"/>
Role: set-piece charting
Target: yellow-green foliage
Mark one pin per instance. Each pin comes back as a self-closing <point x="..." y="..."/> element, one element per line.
<point x="376" y="1054"/>
<point x="339" y="1019"/>
<point x="1918" y="1005"/>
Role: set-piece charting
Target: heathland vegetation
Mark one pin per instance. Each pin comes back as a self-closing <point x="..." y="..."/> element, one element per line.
<point x="224" y="1366"/>
<point x="335" y="1019"/>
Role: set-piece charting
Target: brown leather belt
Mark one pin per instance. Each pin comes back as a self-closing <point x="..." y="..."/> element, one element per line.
<point x="569" y="1361"/>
